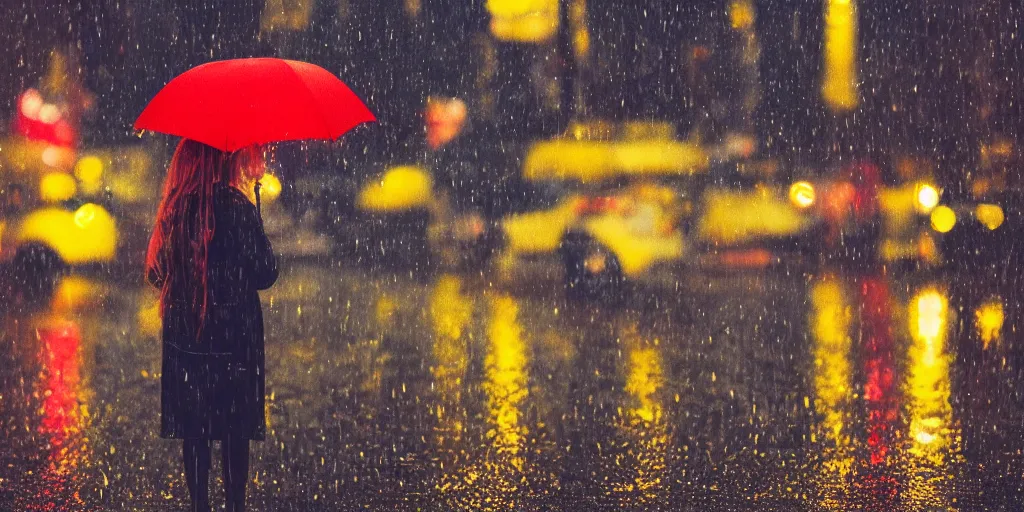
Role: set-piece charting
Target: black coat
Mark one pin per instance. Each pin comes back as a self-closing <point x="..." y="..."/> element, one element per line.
<point x="213" y="383"/>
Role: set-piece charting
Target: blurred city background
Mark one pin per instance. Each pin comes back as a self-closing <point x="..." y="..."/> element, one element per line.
<point x="651" y="255"/>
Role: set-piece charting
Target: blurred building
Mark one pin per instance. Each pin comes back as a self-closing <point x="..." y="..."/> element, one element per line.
<point x="813" y="78"/>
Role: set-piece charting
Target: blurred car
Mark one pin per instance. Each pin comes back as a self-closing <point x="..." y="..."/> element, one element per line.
<point x="389" y="218"/>
<point x="906" y="236"/>
<point x="396" y="216"/>
<point x="623" y="210"/>
<point x="54" y="218"/>
<point x="980" y="232"/>
<point x="45" y="225"/>
<point x="746" y="218"/>
<point x="851" y="214"/>
<point x="431" y="200"/>
<point x="980" y="228"/>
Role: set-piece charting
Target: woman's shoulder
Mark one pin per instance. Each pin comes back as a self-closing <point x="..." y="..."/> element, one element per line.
<point x="230" y="201"/>
<point x="231" y="195"/>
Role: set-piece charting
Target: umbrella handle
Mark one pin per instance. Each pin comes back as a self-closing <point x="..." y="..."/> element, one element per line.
<point x="256" y="188"/>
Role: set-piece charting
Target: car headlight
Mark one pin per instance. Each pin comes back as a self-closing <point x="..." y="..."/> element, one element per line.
<point x="85" y="215"/>
<point x="943" y="219"/>
<point x="802" y="195"/>
<point x="927" y="198"/>
<point x="990" y="215"/>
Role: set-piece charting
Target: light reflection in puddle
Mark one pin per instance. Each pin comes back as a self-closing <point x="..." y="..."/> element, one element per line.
<point x="933" y="440"/>
<point x="450" y="314"/>
<point x="64" y="414"/>
<point x="643" y="425"/>
<point x="988" y="322"/>
<point x="833" y="389"/>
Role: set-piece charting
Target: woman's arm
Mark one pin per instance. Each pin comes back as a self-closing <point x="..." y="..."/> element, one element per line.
<point x="257" y="255"/>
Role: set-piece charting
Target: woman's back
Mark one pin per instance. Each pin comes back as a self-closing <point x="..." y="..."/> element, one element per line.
<point x="239" y="262"/>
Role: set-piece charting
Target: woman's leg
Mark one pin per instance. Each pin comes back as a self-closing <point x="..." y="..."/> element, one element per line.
<point x="235" y="453"/>
<point x="197" y="472"/>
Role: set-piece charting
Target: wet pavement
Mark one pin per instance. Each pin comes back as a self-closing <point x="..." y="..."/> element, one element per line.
<point x="748" y="391"/>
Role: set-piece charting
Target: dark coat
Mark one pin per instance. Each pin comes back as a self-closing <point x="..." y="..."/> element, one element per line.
<point x="213" y="383"/>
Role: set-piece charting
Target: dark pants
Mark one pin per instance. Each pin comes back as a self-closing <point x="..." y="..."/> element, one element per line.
<point x="235" y="454"/>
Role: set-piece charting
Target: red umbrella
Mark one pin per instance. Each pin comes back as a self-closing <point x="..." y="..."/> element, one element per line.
<point x="231" y="104"/>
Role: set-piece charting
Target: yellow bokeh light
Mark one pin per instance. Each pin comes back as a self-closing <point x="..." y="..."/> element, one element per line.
<point x="56" y="187"/>
<point x="49" y="113"/>
<point x="988" y="321"/>
<point x="31" y="103"/>
<point x="89" y="171"/>
<point x="74" y="292"/>
<point x="51" y="156"/>
<point x="927" y="198"/>
<point x="526" y="21"/>
<point x="270" y="188"/>
<point x="802" y="194"/>
<point x="86" y="235"/>
<point x="741" y="14"/>
<point x="943" y="219"/>
<point x="85" y="215"/>
<point x="400" y="188"/>
<point x="839" y="83"/>
<point x="990" y="215"/>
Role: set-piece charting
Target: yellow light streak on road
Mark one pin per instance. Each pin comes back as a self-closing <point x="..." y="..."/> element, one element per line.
<point x="506" y="378"/>
<point x="450" y="313"/>
<point x="643" y="424"/>
<point x="933" y="441"/>
<point x="833" y="389"/>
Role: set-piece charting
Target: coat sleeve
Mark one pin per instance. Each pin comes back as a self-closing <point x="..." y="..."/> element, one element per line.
<point x="256" y="254"/>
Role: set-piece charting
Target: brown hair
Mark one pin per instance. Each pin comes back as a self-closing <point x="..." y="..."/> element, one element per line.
<point x="195" y="169"/>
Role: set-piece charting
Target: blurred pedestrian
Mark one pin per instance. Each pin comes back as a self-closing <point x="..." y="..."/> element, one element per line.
<point x="465" y="156"/>
<point x="209" y="255"/>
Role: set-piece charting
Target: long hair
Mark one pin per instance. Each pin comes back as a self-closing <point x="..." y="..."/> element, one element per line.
<point x="178" y="247"/>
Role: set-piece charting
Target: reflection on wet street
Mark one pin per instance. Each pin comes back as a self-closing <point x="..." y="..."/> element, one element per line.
<point x="757" y="391"/>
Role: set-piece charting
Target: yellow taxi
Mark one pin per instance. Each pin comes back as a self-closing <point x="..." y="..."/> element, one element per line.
<point x="54" y="217"/>
<point x="626" y="194"/>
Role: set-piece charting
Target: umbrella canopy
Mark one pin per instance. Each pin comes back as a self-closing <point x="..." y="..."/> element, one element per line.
<point x="231" y="104"/>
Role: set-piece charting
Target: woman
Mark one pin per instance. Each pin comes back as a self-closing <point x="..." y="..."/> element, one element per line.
<point x="209" y="255"/>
